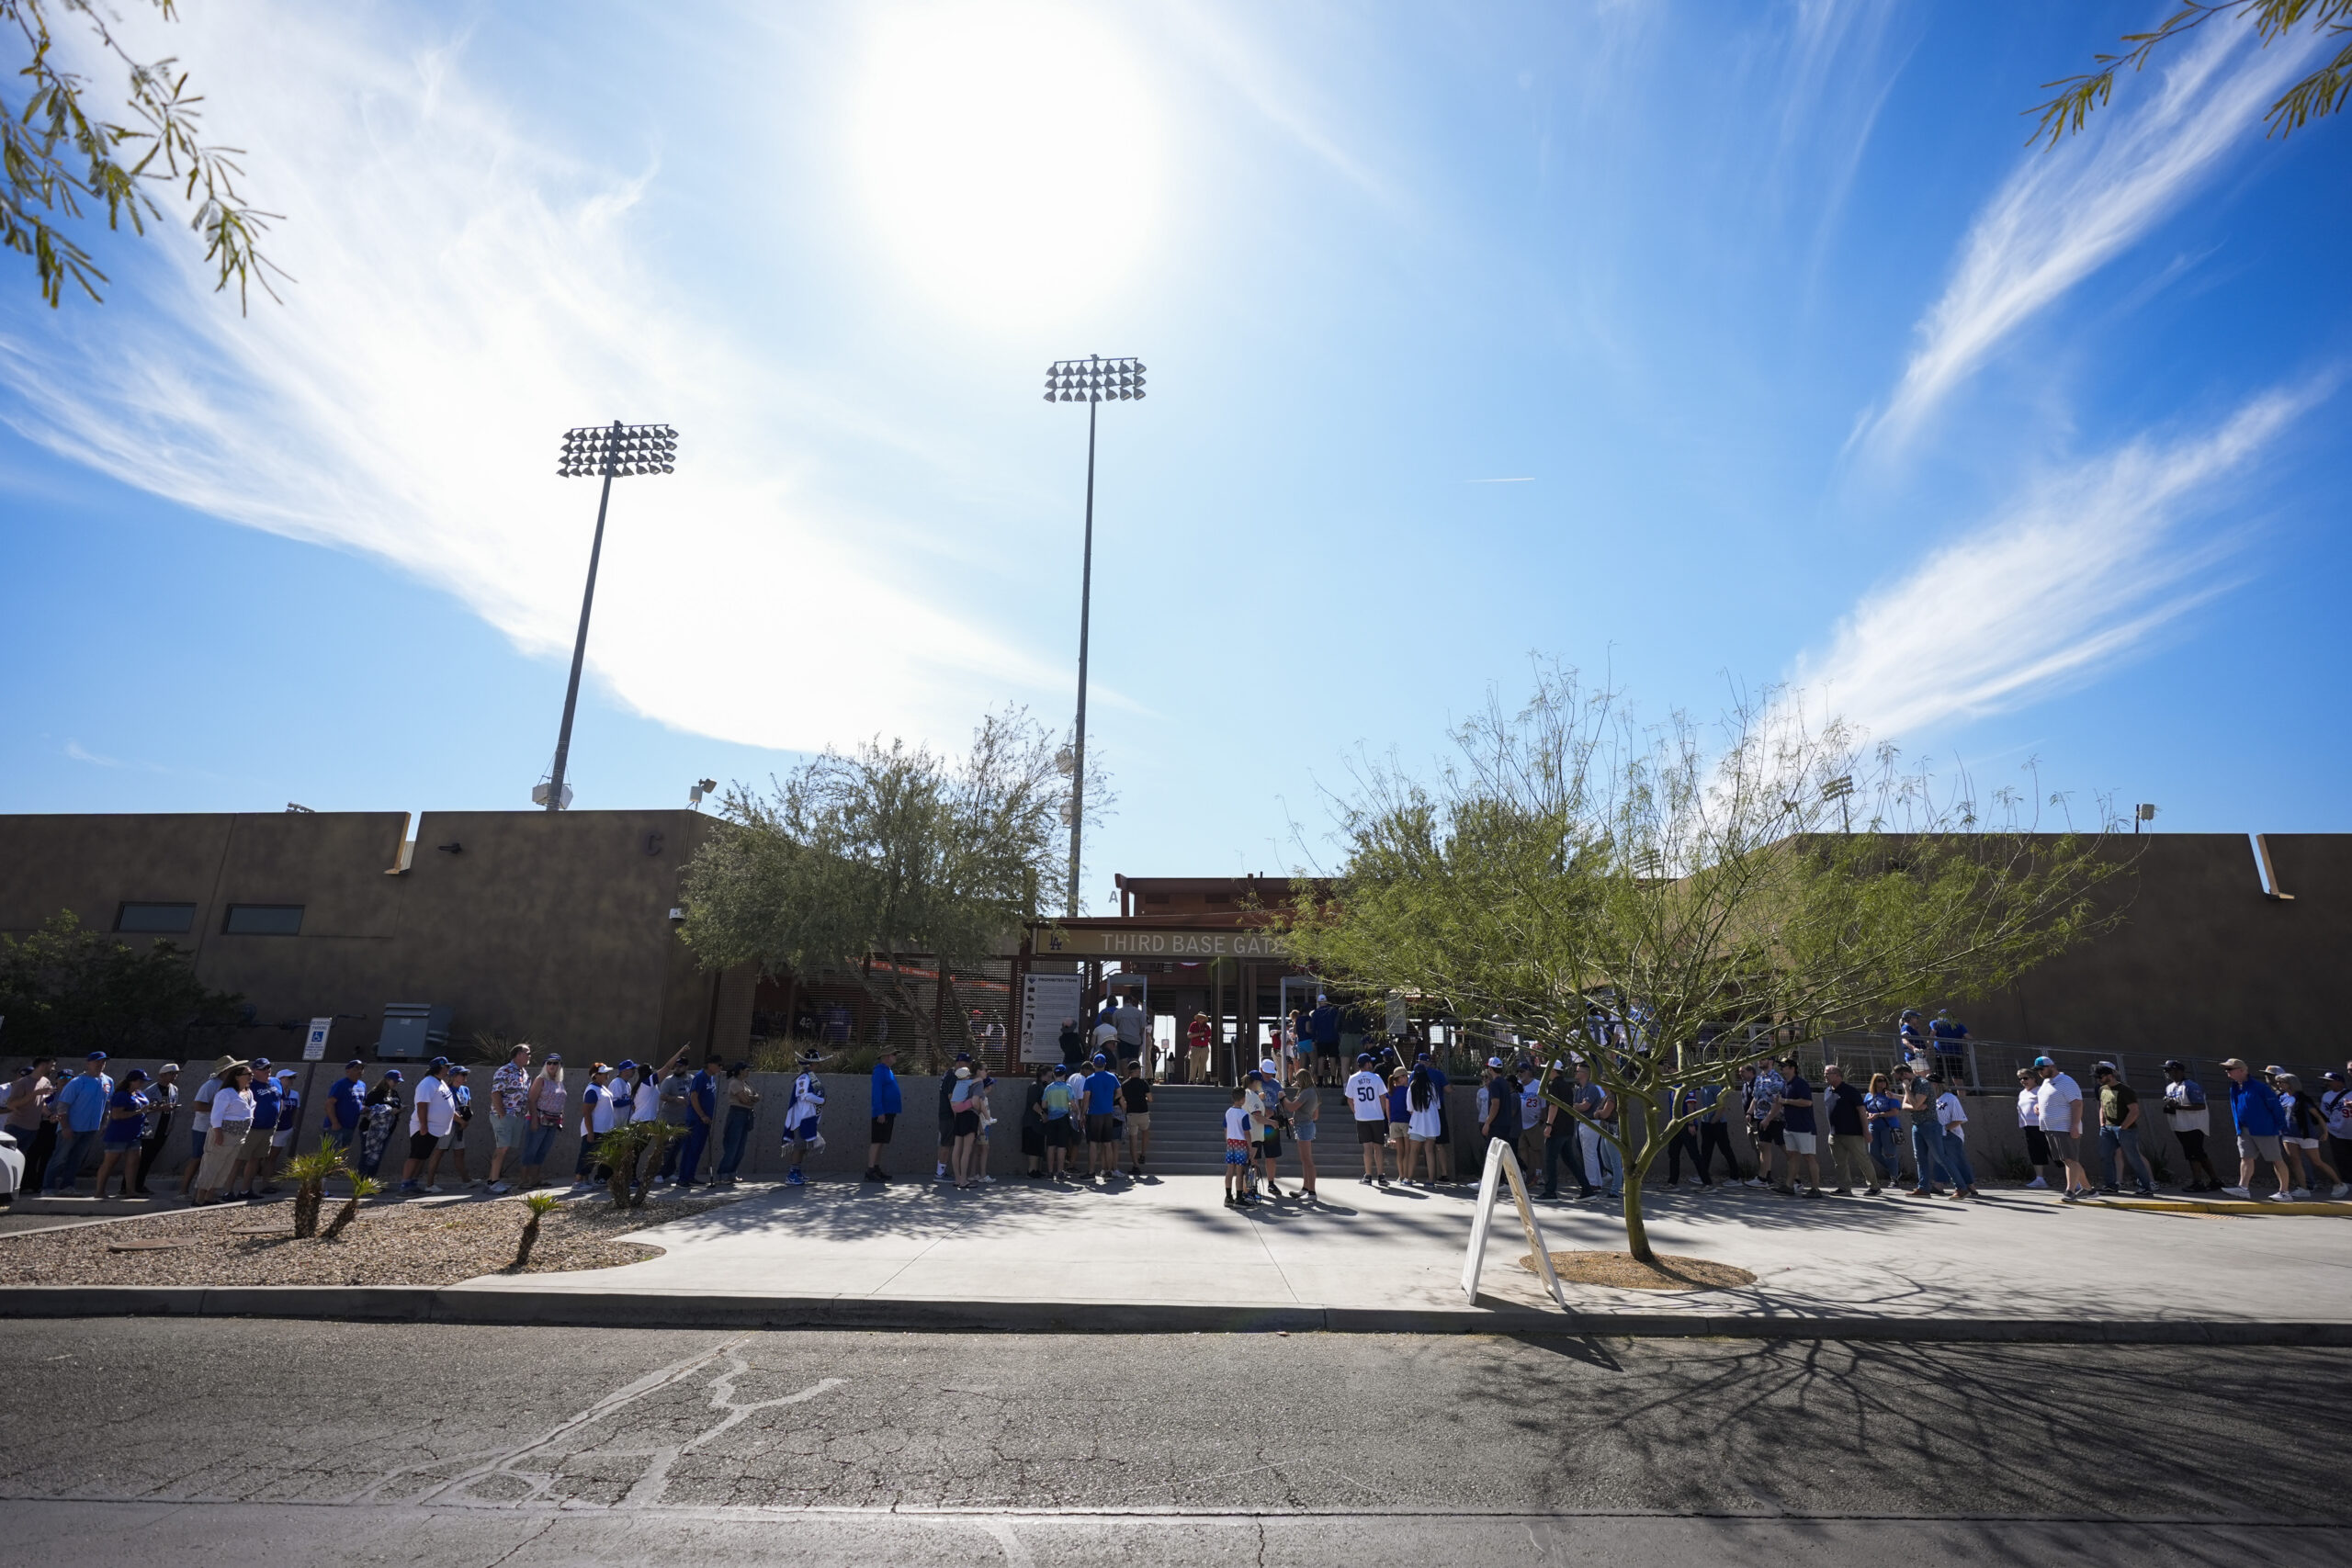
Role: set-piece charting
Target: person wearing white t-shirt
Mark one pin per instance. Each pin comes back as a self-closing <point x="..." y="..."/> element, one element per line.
<point x="430" y="1115"/>
<point x="2059" y="1100"/>
<point x="2037" y="1147"/>
<point x="1367" y="1094"/>
<point x="1237" y="1152"/>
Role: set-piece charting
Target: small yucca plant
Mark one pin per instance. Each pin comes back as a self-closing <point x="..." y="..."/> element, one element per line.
<point x="309" y="1173"/>
<point x="540" y="1204"/>
<point x="361" y="1187"/>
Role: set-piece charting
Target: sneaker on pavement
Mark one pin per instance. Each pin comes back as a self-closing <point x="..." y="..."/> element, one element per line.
<point x="434" y="1188"/>
<point x="2235" y="1192"/>
<point x="2303" y="1194"/>
<point x="2038" y="1182"/>
<point x="795" y="1179"/>
<point x="498" y="1186"/>
<point x="2277" y="1198"/>
<point x="2342" y="1189"/>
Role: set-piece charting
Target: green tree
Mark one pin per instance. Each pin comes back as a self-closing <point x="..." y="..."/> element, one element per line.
<point x="885" y="866"/>
<point x="1572" y="865"/>
<point x="69" y="991"/>
<point x="2321" y="92"/>
<point x="60" y="150"/>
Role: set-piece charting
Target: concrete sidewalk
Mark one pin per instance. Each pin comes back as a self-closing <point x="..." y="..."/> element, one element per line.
<point x="2014" y="1256"/>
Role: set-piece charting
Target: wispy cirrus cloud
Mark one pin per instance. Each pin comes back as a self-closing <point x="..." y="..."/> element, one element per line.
<point x="2084" y="568"/>
<point x="2067" y="212"/>
<point x="469" y="287"/>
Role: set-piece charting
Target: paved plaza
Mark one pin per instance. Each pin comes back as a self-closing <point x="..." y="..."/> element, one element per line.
<point x="2013" y="1255"/>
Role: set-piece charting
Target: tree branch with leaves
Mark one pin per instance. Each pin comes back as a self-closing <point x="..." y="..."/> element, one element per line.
<point x="60" y="150"/>
<point x="2321" y="92"/>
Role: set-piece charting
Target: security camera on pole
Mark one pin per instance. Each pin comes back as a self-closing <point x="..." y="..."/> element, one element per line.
<point x="1093" y="380"/>
<point x="614" y="451"/>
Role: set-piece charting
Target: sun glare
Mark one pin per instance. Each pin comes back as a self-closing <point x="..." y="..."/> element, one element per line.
<point x="1011" y="154"/>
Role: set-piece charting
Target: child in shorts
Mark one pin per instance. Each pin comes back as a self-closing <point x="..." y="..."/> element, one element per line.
<point x="1237" y="1154"/>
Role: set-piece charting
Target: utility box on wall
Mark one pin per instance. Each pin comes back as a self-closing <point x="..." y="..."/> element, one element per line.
<point x="414" y="1030"/>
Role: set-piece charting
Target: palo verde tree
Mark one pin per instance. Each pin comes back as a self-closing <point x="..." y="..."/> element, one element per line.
<point x="1572" y="862"/>
<point x="889" y="867"/>
<point x="67" y="144"/>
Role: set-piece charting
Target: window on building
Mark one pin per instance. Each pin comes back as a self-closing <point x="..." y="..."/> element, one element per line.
<point x="262" y="919"/>
<point x="158" y="918"/>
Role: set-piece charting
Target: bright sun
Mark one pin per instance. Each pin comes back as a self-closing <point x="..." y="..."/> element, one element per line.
<point x="1011" y="155"/>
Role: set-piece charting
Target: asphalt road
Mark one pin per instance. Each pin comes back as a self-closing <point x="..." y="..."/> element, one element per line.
<point x="209" y="1440"/>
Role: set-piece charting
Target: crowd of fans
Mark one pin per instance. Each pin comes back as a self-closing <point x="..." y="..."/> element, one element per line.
<point x="1089" y="1118"/>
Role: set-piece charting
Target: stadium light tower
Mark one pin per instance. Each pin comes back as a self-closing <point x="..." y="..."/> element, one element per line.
<point x="614" y="451"/>
<point x="1093" y="381"/>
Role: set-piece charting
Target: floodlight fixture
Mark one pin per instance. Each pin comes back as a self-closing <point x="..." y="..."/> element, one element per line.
<point x="1838" y="789"/>
<point x="1093" y="380"/>
<point x="608" y="452"/>
<point x="2143" y="812"/>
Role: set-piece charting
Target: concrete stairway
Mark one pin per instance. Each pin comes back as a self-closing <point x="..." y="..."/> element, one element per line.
<point x="1188" y="1130"/>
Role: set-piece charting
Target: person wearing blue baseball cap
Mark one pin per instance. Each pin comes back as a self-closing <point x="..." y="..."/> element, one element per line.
<point x="346" y="1108"/>
<point x="1101" y="1117"/>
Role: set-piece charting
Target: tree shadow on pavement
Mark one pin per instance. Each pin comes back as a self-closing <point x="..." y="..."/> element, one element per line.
<point x="1814" y="1426"/>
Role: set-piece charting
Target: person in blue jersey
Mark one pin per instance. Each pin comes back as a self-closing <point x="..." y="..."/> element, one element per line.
<point x="1799" y="1137"/>
<point x="269" y="1099"/>
<point x="346" y="1108"/>
<point x="1102" y="1111"/>
<point x="80" y="1108"/>
<point x="702" y="1120"/>
<point x="1950" y="1037"/>
<point x="118" y="1138"/>
<point x="1323" y="1031"/>
<point x="882" y="1105"/>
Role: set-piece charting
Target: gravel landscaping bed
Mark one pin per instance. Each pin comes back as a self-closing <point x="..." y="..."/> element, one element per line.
<point x="389" y="1242"/>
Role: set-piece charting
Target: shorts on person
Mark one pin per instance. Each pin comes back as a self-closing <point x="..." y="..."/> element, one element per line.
<point x="968" y="1122"/>
<point x="1796" y="1142"/>
<point x="1235" y="1152"/>
<point x="1099" y="1129"/>
<point x="2037" y="1145"/>
<point x="508" y="1130"/>
<point x="1769" y="1133"/>
<point x="1302" y="1133"/>
<point x="2064" y="1147"/>
<point x="1373" y="1132"/>
<point x="421" y="1144"/>
<point x="1059" y="1134"/>
<point x="2260" y="1146"/>
<point x="1138" y="1122"/>
<point x="1270" y="1145"/>
<point x="879" y="1129"/>
<point x="2304" y="1143"/>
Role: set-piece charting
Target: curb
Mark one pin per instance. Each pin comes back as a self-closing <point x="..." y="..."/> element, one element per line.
<point x="2327" y="1207"/>
<point x="584" y="1309"/>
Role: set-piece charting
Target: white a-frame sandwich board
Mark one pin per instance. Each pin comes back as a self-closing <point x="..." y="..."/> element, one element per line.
<point x="1503" y="1165"/>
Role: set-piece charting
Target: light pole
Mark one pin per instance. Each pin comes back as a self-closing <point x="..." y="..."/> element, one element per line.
<point x="614" y="451"/>
<point x="1093" y="380"/>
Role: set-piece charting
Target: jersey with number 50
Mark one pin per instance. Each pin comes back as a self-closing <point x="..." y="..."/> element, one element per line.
<point x="1369" y="1095"/>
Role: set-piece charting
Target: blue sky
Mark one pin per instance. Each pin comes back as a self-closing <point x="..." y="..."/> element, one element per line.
<point x="1706" y="346"/>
